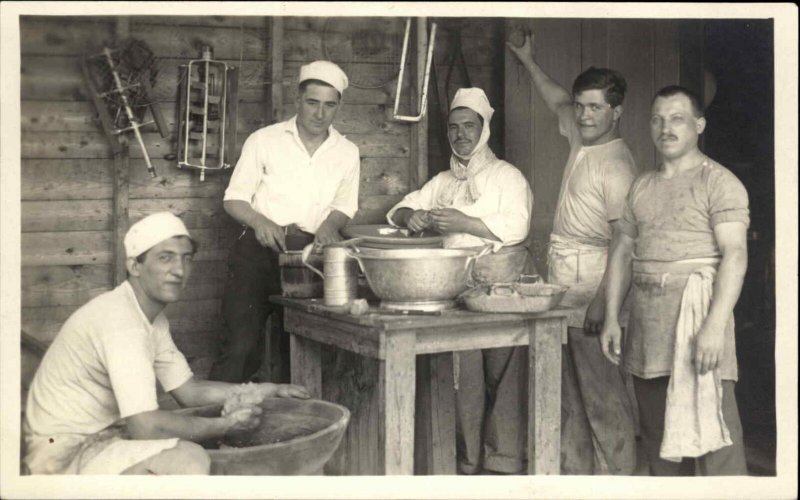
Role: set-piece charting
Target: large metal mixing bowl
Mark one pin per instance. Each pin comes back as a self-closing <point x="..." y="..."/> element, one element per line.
<point x="417" y="274"/>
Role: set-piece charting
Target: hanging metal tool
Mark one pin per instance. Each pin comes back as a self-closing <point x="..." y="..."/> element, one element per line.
<point x="122" y="87"/>
<point x="429" y="60"/>
<point x="207" y="114"/>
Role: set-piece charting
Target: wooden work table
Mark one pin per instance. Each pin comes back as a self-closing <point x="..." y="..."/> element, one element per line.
<point x="386" y="368"/>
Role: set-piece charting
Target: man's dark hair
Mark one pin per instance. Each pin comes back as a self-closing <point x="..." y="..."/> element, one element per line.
<point x="305" y="83"/>
<point x="464" y="107"/>
<point x="609" y="81"/>
<point x="142" y="256"/>
<point x="673" y="90"/>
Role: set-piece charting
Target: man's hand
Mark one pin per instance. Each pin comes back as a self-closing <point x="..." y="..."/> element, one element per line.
<point x="526" y="51"/>
<point x="327" y="234"/>
<point x="418" y="221"/>
<point x="244" y="419"/>
<point x="611" y="341"/>
<point x="283" y="391"/>
<point x="270" y="234"/>
<point x="595" y="313"/>
<point x="450" y="220"/>
<point x="708" y="347"/>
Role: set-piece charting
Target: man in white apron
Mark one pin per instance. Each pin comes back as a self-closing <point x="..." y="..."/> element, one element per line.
<point x="598" y="435"/>
<point x="480" y="200"/>
<point x="682" y="246"/>
<point x="92" y="406"/>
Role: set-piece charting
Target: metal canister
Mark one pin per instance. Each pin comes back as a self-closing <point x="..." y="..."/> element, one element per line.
<point x="340" y="274"/>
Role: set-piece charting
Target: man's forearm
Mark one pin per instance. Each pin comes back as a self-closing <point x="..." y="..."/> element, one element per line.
<point x="401" y="215"/>
<point x="553" y="94"/>
<point x="337" y="219"/>
<point x="478" y="228"/>
<point x="617" y="278"/>
<point x="242" y="212"/>
<point x="161" y="424"/>
<point x="727" y="286"/>
<point x="202" y="392"/>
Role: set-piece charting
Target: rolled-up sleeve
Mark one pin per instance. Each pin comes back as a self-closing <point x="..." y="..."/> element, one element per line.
<point x="346" y="199"/>
<point x="247" y="173"/>
<point x="616" y="184"/>
<point x="627" y="223"/>
<point x="130" y="371"/>
<point x="172" y="369"/>
<point x="728" y="201"/>
<point x="421" y="199"/>
<point x="511" y="222"/>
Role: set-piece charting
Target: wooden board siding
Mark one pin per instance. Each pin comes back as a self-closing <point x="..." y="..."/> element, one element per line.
<point x="67" y="168"/>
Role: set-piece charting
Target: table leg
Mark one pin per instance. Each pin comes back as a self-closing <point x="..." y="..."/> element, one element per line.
<point x="544" y="395"/>
<point x="306" y="364"/>
<point x="435" y="443"/>
<point x="398" y="391"/>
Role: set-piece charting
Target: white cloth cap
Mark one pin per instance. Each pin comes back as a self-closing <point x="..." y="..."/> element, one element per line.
<point x="476" y="100"/>
<point x="151" y="231"/>
<point x="325" y="71"/>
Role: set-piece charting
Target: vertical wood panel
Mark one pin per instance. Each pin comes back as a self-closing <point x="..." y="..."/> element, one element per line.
<point x="667" y="60"/>
<point x="630" y="51"/>
<point x="558" y="48"/>
<point x="692" y="59"/>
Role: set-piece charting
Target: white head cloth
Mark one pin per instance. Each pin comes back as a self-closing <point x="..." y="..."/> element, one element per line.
<point x="151" y="231"/>
<point x="325" y="71"/>
<point x="476" y="100"/>
<point x="465" y="189"/>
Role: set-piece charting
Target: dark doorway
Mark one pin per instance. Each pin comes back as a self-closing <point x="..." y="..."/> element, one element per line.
<point x="740" y="135"/>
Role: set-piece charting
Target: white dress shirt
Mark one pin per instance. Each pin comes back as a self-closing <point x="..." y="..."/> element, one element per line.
<point x="280" y="180"/>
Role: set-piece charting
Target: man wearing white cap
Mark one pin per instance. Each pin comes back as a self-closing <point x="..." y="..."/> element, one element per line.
<point x="92" y="406"/>
<point x="480" y="200"/>
<point x="295" y="182"/>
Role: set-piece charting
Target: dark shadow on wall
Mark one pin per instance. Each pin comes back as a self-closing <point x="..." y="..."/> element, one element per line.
<point x="740" y="135"/>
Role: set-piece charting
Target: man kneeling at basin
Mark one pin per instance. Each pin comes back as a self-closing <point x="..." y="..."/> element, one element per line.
<point x="480" y="200"/>
<point x="92" y="406"/>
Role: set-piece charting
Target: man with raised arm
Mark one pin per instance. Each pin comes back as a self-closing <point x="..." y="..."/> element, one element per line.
<point x="598" y="435"/>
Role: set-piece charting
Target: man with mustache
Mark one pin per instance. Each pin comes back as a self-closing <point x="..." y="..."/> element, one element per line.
<point x="480" y="200"/>
<point x="295" y="182"/>
<point x="92" y="406"/>
<point x="682" y="245"/>
<point x="598" y="435"/>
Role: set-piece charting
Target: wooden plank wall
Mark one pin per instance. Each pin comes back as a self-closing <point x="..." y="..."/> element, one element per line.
<point x="481" y="42"/>
<point x="67" y="163"/>
<point x="67" y="167"/>
<point x="646" y="52"/>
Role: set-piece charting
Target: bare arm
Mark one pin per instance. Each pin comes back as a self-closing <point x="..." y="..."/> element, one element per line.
<point x="617" y="281"/>
<point x="206" y="392"/>
<point x="554" y="95"/>
<point x="595" y="313"/>
<point x="267" y="232"/>
<point x="161" y="424"/>
<point x="732" y="241"/>
<point x="328" y="231"/>
<point x="450" y="220"/>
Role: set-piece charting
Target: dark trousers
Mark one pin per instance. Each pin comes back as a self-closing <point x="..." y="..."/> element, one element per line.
<point x="597" y="414"/>
<point x="253" y="275"/>
<point x="490" y="411"/>
<point x="727" y="461"/>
